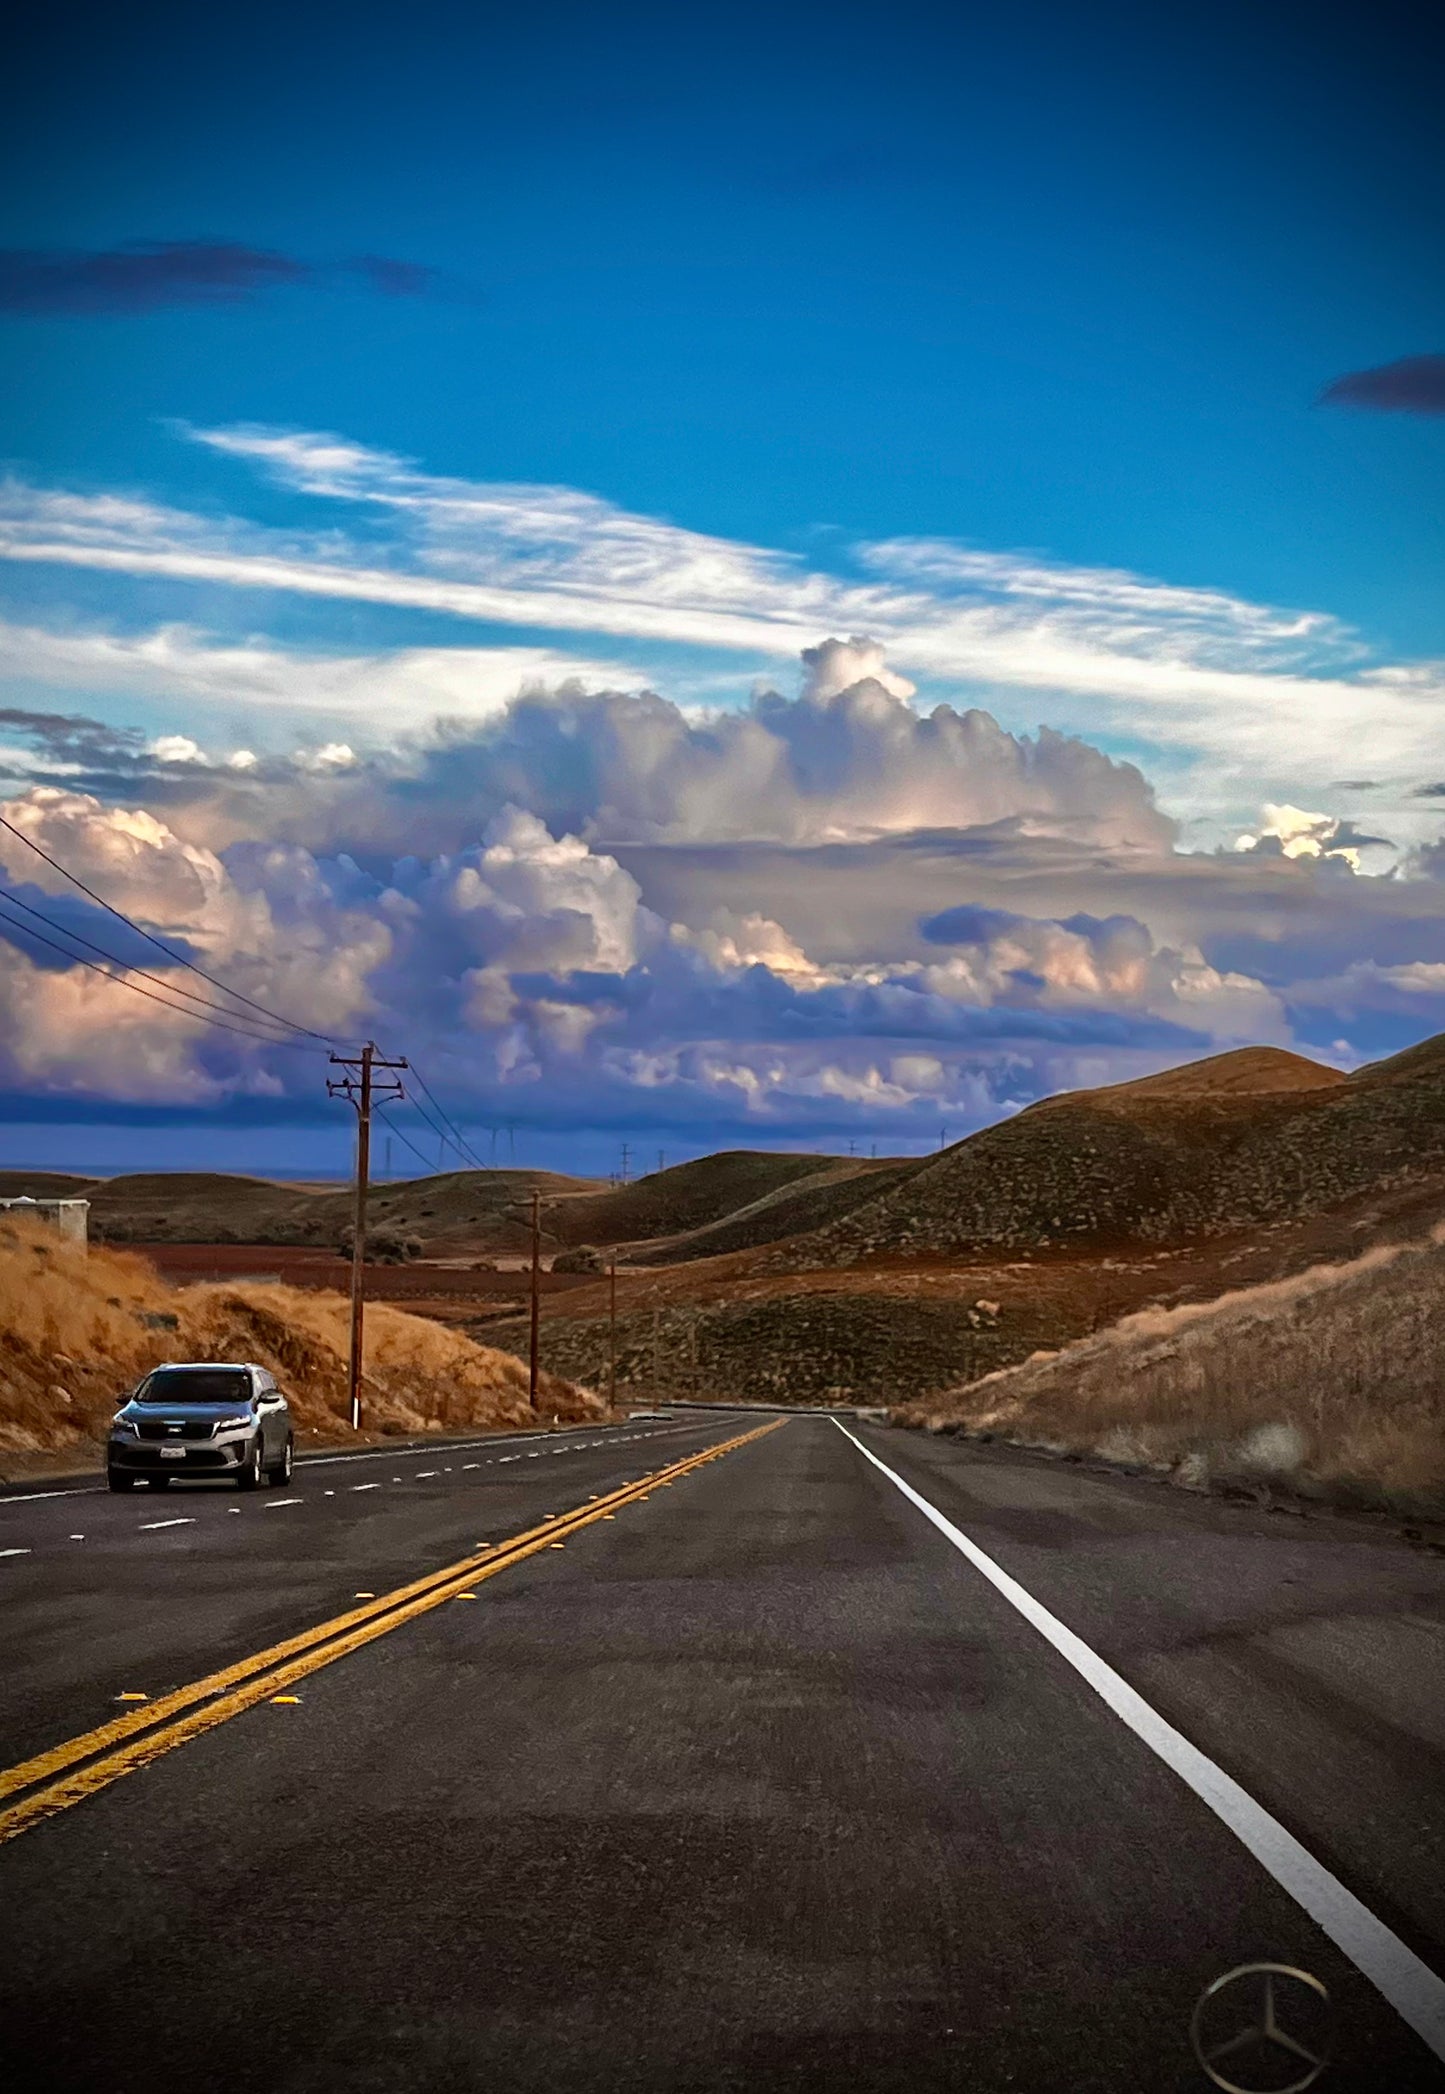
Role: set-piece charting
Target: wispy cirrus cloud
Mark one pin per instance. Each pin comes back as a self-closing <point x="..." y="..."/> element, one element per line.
<point x="1234" y="701"/>
<point x="145" y="276"/>
<point x="407" y="687"/>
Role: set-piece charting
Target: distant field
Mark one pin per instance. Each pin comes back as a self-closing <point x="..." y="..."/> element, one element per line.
<point x="450" y="1293"/>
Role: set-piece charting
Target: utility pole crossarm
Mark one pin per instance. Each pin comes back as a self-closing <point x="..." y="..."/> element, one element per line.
<point x="361" y="1090"/>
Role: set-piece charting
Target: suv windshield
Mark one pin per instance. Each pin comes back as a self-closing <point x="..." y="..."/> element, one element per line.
<point x="195" y="1385"/>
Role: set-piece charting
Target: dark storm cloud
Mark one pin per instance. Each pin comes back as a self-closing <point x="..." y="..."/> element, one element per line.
<point x="1346" y="837"/>
<point x="1411" y="385"/>
<point x="37" y="921"/>
<point x="968" y="925"/>
<point x="73" y="738"/>
<point x="146" y="275"/>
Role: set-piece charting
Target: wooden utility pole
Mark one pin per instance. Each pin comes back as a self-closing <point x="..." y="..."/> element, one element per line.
<point x="536" y="1292"/>
<point x="361" y="1092"/>
<point x="612" y="1336"/>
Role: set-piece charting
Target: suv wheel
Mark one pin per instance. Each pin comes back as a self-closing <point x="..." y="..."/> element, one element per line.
<point x="280" y="1472"/>
<point x="120" y="1479"/>
<point x="251" y="1475"/>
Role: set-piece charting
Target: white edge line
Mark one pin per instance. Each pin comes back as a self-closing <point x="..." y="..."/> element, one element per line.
<point x="15" y="1552"/>
<point x="275" y="1504"/>
<point x="1414" y="1990"/>
<point x="84" y="1490"/>
<point x="150" y="1526"/>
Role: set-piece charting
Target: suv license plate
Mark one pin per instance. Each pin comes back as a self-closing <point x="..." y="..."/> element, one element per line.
<point x="173" y="1453"/>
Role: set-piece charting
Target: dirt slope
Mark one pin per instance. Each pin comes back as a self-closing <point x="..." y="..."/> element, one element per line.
<point x="75" y="1330"/>
<point x="1327" y="1382"/>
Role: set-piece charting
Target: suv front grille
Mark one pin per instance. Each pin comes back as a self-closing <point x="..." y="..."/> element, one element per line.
<point x="165" y="1429"/>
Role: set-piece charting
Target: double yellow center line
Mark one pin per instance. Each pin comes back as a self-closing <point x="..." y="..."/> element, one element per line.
<point x="65" y="1775"/>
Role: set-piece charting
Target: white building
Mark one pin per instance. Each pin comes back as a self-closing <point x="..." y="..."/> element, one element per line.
<point x="70" y="1218"/>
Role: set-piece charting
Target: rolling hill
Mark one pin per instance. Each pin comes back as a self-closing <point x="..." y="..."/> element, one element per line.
<point x="684" y="1198"/>
<point x="484" y="1209"/>
<point x="1240" y="1140"/>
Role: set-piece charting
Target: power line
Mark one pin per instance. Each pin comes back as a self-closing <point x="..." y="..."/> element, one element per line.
<point x="390" y="1122"/>
<point x="463" y="1147"/>
<point x="144" y="973"/>
<point x="447" y="1139"/>
<point x="180" y="959"/>
<point x="444" y="1140"/>
<point x="122" y="981"/>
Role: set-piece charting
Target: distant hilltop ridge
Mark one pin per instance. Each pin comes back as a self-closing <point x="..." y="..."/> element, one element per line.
<point x="1243" y="1072"/>
<point x="1258" y="1136"/>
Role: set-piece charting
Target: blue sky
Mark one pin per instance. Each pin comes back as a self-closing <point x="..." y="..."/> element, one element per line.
<point x="662" y="345"/>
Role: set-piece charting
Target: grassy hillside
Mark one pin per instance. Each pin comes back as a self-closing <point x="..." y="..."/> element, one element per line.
<point x="488" y="1209"/>
<point x="1328" y="1382"/>
<point x="76" y="1330"/>
<point x="44" y="1185"/>
<point x="1239" y="1140"/>
<point x="686" y="1197"/>
<point x="806" y="1202"/>
<point x="799" y="1345"/>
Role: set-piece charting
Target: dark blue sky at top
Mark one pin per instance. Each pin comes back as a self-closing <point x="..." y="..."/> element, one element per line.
<point x="1030" y="276"/>
<point x="1027" y="276"/>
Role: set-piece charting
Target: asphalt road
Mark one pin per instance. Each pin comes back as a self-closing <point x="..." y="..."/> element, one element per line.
<point x="759" y="1782"/>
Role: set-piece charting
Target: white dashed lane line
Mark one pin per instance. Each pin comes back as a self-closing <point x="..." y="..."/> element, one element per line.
<point x="313" y="1461"/>
<point x="419" y="1476"/>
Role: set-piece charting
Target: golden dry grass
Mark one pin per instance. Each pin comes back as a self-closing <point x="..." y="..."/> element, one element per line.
<point x="1328" y="1383"/>
<point x="76" y="1330"/>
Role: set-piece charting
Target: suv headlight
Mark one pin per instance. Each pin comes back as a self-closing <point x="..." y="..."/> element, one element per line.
<point x="241" y="1424"/>
<point x="125" y="1426"/>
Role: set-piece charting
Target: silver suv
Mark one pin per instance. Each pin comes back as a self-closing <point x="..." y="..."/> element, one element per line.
<point x="204" y="1418"/>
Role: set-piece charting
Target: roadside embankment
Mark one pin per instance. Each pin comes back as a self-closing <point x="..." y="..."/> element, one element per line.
<point x="1326" y="1385"/>
<point x="76" y="1330"/>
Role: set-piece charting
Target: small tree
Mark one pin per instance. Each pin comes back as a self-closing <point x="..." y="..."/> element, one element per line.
<point x="385" y="1245"/>
<point x="584" y="1258"/>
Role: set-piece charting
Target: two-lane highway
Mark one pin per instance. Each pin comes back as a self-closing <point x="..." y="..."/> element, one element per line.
<point x="162" y="1585"/>
<point x="782" y="1772"/>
